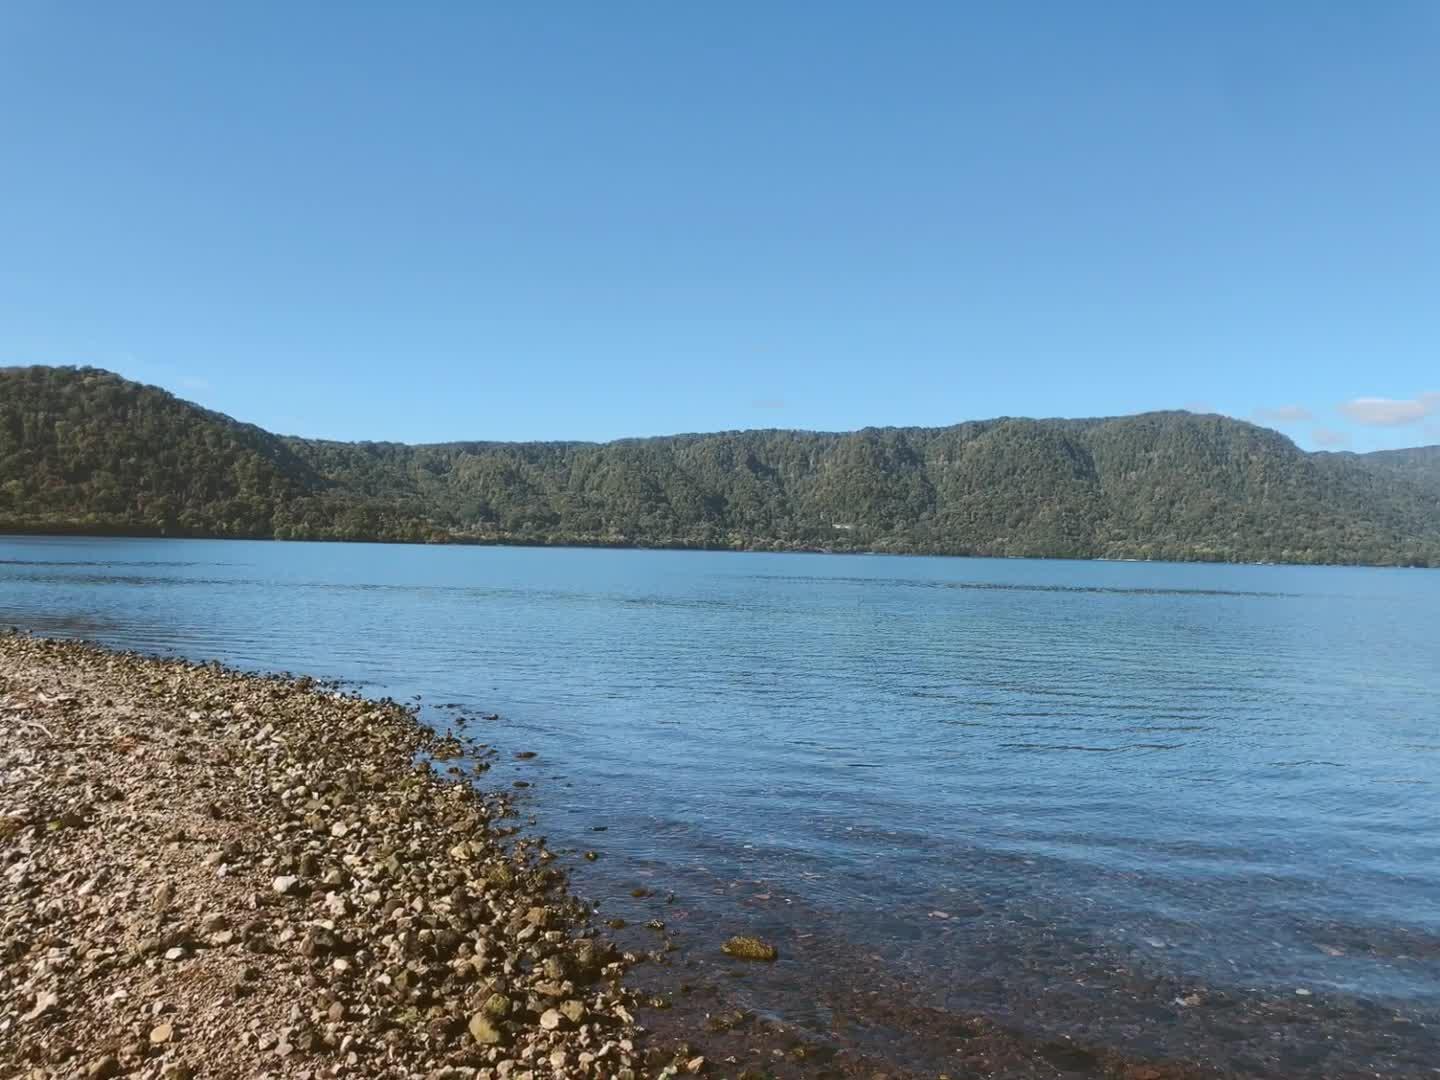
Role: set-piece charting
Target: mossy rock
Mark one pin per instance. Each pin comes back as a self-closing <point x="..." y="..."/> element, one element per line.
<point x="749" y="948"/>
<point x="486" y="1032"/>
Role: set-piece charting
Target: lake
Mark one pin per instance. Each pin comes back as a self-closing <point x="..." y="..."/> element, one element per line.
<point x="1183" y="810"/>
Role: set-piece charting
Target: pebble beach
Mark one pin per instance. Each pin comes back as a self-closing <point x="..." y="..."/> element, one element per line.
<point x="204" y="872"/>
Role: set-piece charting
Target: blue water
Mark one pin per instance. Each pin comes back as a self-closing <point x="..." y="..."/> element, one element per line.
<point x="1223" y="776"/>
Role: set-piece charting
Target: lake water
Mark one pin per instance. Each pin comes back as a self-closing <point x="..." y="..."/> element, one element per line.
<point x="1069" y="796"/>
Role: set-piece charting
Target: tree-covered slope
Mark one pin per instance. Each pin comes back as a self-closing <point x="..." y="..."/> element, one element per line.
<point x="1419" y="465"/>
<point x="84" y="450"/>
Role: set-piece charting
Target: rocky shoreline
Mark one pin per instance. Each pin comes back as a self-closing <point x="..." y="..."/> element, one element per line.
<point x="204" y="872"/>
<point x="211" y="873"/>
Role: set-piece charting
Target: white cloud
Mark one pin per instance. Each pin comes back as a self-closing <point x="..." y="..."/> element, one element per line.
<point x="1329" y="438"/>
<point x="1284" y="414"/>
<point x="1390" y="412"/>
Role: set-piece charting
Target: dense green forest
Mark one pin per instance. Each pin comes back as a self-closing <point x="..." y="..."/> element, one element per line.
<point x="83" y="450"/>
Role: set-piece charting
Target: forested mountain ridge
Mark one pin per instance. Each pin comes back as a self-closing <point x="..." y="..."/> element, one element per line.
<point x="83" y="450"/>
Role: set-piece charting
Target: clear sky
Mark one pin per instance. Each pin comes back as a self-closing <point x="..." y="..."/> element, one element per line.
<point x="585" y="220"/>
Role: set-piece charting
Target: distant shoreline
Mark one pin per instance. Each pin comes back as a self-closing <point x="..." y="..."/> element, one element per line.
<point x="85" y="451"/>
<point x="11" y="531"/>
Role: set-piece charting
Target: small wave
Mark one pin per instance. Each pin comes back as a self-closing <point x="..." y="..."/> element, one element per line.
<point x="1169" y="727"/>
<point x="1011" y="586"/>
<point x="1307" y="761"/>
<point x="1053" y="747"/>
<point x="169" y="564"/>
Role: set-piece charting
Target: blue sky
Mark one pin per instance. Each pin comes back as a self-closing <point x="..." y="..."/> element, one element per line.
<point x="439" y="221"/>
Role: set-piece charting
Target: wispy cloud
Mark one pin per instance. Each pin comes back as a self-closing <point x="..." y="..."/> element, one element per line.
<point x="1284" y="414"/>
<point x="1329" y="437"/>
<point x="1391" y="412"/>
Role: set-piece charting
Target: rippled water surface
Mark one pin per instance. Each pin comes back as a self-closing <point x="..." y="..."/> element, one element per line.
<point x="985" y="777"/>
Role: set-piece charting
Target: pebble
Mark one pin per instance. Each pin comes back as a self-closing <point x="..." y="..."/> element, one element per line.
<point x="485" y="1031"/>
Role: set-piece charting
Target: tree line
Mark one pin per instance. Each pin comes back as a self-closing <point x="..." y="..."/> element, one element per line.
<point x="84" y="450"/>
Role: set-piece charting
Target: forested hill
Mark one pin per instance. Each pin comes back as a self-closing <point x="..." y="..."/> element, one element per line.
<point x="83" y="450"/>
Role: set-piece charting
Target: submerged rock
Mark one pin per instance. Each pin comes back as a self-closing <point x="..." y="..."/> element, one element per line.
<point x="749" y="948"/>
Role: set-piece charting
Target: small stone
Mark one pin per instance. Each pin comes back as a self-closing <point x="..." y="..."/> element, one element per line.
<point x="161" y="1034"/>
<point x="695" y="1065"/>
<point x="176" y="953"/>
<point x="317" y="942"/>
<point x="485" y="1031"/>
<point x="551" y="1019"/>
<point x="45" y="1002"/>
<point x="284" y="885"/>
<point x="573" y="1010"/>
<point x="496" y="1006"/>
<point x="103" y="1068"/>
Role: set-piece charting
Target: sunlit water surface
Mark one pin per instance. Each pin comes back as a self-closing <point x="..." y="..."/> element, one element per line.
<point x="1222" y="776"/>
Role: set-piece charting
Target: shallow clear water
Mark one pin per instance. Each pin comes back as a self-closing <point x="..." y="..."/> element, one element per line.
<point x="1224" y="776"/>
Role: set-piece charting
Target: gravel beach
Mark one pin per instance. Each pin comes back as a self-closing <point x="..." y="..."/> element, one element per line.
<point x="209" y="873"/>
